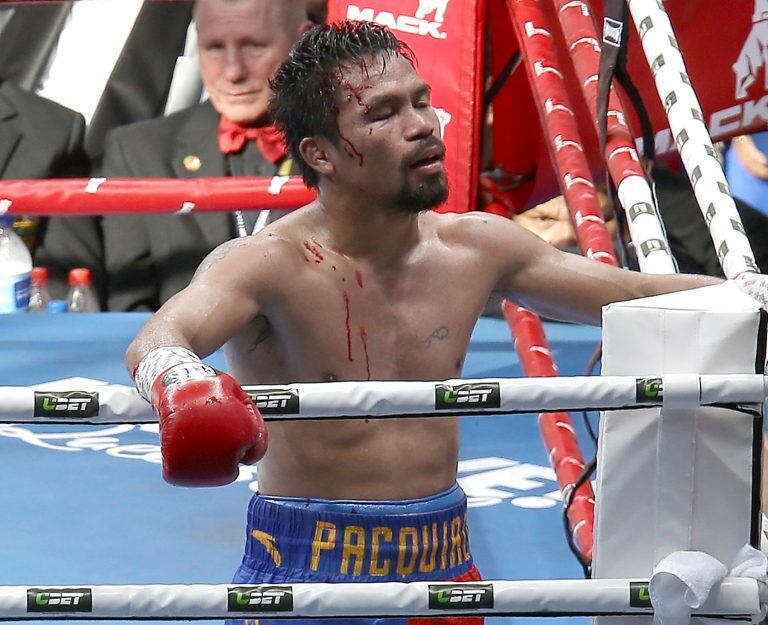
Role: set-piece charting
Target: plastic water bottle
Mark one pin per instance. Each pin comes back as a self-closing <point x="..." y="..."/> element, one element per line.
<point x="81" y="298"/>
<point x="15" y="269"/>
<point x="57" y="306"/>
<point x="38" y="293"/>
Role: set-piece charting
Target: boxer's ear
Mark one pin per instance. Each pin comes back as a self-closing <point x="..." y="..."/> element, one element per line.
<point x="314" y="151"/>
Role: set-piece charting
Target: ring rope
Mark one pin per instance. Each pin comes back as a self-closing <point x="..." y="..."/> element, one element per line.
<point x="645" y="225"/>
<point x="646" y="230"/>
<point x="577" y="184"/>
<point x="562" y="132"/>
<point x="109" y="196"/>
<point x="686" y="121"/>
<point x="113" y="404"/>
<point x="569" y="160"/>
<point x="557" y="430"/>
<point x="735" y="596"/>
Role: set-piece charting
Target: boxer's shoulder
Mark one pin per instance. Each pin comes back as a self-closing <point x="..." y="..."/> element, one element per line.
<point x="259" y="258"/>
<point x="476" y="230"/>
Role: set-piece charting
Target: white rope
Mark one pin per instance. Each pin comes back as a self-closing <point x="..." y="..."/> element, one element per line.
<point x="737" y="597"/>
<point x="110" y="404"/>
<point x="692" y="138"/>
<point x="645" y="226"/>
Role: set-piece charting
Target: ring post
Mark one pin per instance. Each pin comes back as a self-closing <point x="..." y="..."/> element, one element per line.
<point x="676" y="476"/>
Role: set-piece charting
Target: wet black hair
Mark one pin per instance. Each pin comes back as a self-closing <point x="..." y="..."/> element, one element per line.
<point x="303" y="102"/>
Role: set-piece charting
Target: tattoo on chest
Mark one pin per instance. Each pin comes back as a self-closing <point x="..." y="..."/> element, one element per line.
<point x="439" y="334"/>
<point x="262" y="330"/>
<point x="219" y="254"/>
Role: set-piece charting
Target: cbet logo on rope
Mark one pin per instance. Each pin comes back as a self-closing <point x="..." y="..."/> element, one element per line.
<point x="59" y="600"/>
<point x="460" y="596"/>
<point x="71" y="404"/>
<point x="276" y="400"/>
<point x="649" y="390"/>
<point x="639" y="596"/>
<point x="485" y="395"/>
<point x="260" y="599"/>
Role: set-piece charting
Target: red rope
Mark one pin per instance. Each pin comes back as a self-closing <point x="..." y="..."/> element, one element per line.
<point x="570" y="163"/>
<point x="99" y="196"/>
<point x="556" y="428"/>
<point x="559" y="123"/>
<point x="584" y="44"/>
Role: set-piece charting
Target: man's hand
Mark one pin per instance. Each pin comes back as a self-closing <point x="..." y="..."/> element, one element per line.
<point x="750" y="156"/>
<point x="208" y="424"/>
<point x="755" y="285"/>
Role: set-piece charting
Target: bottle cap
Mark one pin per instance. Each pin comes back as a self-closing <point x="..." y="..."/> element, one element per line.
<point x="6" y="221"/>
<point x="80" y="277"/>
<point x="57" y="306"/>
<point x="39" y="276"/>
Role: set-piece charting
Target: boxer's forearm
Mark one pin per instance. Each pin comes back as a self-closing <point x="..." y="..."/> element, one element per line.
<point x="201" y="319"/>
<point x="661" y="284"/>
<point x="157" y="333"/>
<point x="573" y="288"/>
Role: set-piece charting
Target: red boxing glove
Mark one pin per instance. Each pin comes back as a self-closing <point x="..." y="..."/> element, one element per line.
<point x="208" y="424"/>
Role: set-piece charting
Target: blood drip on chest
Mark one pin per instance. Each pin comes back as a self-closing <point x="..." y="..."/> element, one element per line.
<point x="349" y="329"/>
<point x="364" y="339"/>
<point x="313" y="248"/>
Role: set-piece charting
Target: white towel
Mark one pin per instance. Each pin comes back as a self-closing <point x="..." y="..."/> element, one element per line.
<point x="682" y="581"/>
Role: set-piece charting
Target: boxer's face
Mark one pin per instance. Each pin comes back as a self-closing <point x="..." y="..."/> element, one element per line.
<point x="241" y="44"/>
<point x="390" y="145"/>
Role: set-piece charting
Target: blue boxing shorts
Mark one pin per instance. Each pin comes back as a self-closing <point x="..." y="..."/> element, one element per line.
<point x="315" y="540"/>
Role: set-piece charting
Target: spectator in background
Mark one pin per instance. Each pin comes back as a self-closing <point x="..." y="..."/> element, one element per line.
<point x="317" y="11"/>
<point x="551" y="221"/>
<point x="112" y="61"/>
<point x="241" y="43"/>
<point x="687" y="233"/>
<point x="746" y="167"/>
<point x="38" y="139"/>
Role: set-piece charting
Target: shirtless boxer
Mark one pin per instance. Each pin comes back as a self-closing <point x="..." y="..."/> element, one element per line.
<point x="364" y="284"/>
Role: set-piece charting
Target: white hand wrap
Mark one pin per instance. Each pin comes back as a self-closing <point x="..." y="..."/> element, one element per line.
<point x="755" y="285"/>
<point x="160" y="360"/>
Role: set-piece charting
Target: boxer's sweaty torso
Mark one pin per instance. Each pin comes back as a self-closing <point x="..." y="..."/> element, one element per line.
<point x="332" y="318"/>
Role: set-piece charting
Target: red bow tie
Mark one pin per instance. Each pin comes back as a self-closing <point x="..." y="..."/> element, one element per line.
<point x="233" y="137"/>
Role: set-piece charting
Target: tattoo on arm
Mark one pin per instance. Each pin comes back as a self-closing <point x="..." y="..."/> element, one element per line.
<point x="220" y="253"/>
<point x="439" y="334"/>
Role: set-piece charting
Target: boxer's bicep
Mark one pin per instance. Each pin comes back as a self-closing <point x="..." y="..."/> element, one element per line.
<point x="208" y="313"/>
<point x="571" y="287"/>
<point x="557" y="284"/>
<point x="226" y="293"/>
